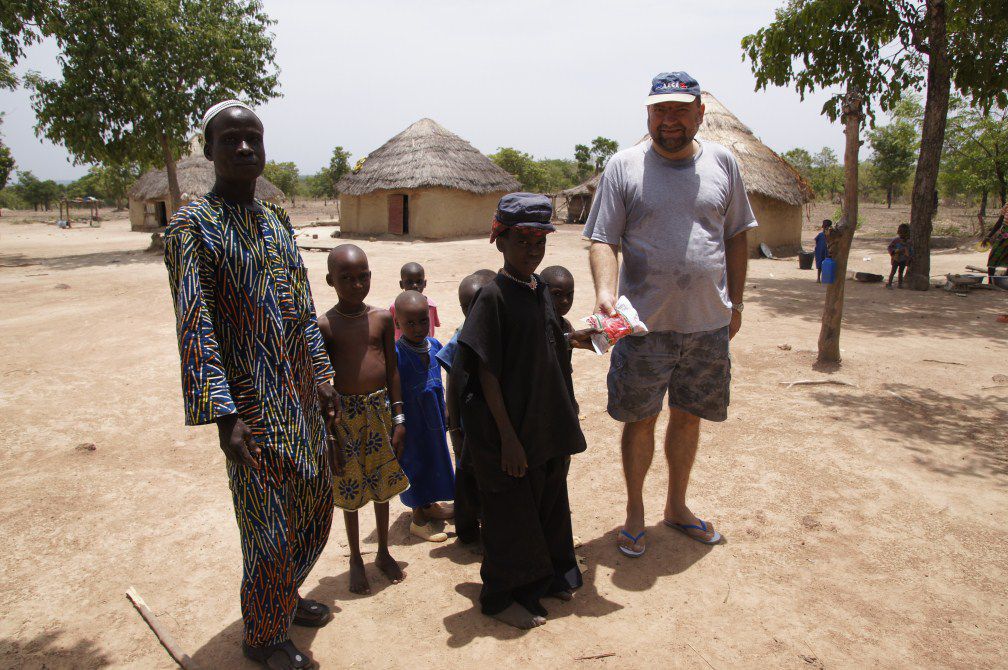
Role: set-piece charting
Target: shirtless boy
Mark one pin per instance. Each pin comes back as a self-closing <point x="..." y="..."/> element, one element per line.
<point x="370" y="438"/>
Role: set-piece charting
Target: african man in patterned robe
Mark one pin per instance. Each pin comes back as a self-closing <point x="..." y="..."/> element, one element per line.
<point x="253" y="362"/>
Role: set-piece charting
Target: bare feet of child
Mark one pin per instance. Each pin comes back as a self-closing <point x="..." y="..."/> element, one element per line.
<point x="565" y="596"/>
<point x="519" y="617"/>
<point x="358" y="579"/>
<point x="389" y="567"/>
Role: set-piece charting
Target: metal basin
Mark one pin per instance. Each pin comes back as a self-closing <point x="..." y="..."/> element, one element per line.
<point x="966" y="280"/>
<point x="1001" y="282"/>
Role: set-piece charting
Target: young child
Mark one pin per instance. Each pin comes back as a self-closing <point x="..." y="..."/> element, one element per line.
<point x="466" y="488"/>
<point x="413" y="277"/>
<point x="369" y="440"/>
<point x="822" y="248"/>
<point x="425" y="460"/>
<point x="560" y="283"/>
<point x="900" y="252"/>
<point x="520" y="422"/>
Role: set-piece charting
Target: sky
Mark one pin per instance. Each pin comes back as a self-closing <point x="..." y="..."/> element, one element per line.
<point x="540" y="76"/>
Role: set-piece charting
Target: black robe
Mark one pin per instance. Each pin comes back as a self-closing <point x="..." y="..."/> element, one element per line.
<point x="528" y="548"/>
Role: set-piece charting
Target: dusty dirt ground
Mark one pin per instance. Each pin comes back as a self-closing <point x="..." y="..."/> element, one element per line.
<point x="865" y="524"/>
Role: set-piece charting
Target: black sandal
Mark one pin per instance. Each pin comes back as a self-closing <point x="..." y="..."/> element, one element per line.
<point x="283" y="656"/>
<point x="311" y="613"/>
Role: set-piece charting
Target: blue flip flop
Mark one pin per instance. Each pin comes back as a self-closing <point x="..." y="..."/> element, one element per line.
<point x="684" y="528"/>
<point x="627" y="551"/>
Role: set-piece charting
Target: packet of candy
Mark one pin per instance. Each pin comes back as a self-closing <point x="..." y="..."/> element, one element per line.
<point x="611" y="329"/>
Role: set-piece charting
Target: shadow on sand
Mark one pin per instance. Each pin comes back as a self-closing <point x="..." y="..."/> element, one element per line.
<point x="871" y="308"/>
<point x="926" y="420"/>
<point x="46" y="651"/>
<point x="79" y="261"/>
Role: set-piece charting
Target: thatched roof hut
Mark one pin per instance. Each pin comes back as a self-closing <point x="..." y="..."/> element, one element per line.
<point x="148" y="196"/>
<point x="776" y="191"/>
<point x="424" y="182"/>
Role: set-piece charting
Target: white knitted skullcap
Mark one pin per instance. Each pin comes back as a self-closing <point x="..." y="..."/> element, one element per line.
<point x="220" y="107"/>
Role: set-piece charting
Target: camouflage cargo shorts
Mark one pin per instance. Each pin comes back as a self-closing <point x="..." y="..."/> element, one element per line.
<point x="694" y="368"/>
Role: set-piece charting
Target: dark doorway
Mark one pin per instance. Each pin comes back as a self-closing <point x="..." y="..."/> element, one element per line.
<point x="162" y="213"/>
<point x="398" y="214"/>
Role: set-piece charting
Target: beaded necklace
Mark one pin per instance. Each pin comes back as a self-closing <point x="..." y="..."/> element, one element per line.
<point x="531" y="284"/>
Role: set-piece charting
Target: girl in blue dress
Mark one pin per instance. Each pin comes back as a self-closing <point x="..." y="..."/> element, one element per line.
<point x="426" y="459"/>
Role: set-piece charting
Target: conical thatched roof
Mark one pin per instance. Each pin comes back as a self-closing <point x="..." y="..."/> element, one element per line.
<point x="195" y="177"/>
<point x="763" y="171"/>
<point x="427" y="154"/>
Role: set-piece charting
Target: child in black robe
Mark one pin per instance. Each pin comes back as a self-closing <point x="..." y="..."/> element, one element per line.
<point x="521" y="422"/>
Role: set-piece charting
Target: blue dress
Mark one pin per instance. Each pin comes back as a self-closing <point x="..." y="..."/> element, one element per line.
<point x="821" y="249"/>
<point x="426" y="459"/>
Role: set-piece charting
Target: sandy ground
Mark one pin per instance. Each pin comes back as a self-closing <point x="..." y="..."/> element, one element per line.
<point x="865" y="524"/>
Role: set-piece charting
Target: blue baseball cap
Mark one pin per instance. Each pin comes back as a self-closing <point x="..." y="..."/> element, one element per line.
<point x="528" y="210"/>
<point x="673" y="87"/>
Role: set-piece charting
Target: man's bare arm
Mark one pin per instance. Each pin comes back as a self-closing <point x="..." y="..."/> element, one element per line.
<point x="604" y="260"/>
<point x="737" y="262"/>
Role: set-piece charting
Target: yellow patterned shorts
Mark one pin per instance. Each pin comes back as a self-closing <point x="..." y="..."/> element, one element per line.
<point x="371" y="471"/>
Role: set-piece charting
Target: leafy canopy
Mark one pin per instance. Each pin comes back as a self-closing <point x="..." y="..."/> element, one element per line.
<point x="284" y="176"/>
<point x="895" y="146"/>
<point x="136" y="73"/>
<point x="976" y="150"/>
<point x="878" y="48"/>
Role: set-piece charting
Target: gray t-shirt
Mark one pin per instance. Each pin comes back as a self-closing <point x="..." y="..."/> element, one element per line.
<point x="671" y="219"/>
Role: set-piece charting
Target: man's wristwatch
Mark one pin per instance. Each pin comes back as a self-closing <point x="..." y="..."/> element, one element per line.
<point x="738" y="306"/>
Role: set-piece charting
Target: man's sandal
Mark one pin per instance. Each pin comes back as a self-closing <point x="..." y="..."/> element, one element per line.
<point x="311" y="613"/>
<point x="685" y="529"/>
<point x="630" y="550"/>
<point x="283" y="656"/>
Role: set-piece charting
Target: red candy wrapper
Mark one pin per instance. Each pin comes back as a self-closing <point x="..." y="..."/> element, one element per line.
<point x="611" y="329"/>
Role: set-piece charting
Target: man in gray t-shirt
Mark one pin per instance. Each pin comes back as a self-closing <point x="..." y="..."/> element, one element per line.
<point x="677" y="209"/>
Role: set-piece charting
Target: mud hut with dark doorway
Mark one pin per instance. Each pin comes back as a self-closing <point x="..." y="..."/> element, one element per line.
<point x="776" y="191"/>
<point x="149" y="202"/>
<point x="426" y="182"/>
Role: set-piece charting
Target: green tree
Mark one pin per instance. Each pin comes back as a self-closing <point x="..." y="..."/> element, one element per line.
<point x="801" y="161"/>
<point x="88" y="185"/>
<point x="879" y="50"/>
<point x="895" y="147"/>
<point x="339" y="165"/>
<point x="558" y="174"/>
<point x="6" y="160"/>
<point x="284" y="176"/>
<point x="138" y="74"/>
<point x="524" y="168"/>
<point x="827" y="173"/>
<point x="22" y="23"/>
<point x="976" y="152"/>
<point x="319" y="185"/>
<point x="591" y="159"/>
<point x="36" y="192"/>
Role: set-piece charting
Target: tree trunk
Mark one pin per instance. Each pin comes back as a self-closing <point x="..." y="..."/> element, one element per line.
<point x="982" y="214"/>
<point x="840" y="237"/>
<point x="922" y="205"/>
<point x="888" y="198"/>
<point x="174" y="192"/>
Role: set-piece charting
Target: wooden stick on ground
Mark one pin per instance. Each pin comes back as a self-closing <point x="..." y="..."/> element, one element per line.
<point x="595" y="657"/>
<point x="817" y="382"/>
<point x="166" y="640"/>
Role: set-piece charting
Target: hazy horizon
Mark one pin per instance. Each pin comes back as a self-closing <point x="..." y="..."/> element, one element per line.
<point x="539" y="77"/>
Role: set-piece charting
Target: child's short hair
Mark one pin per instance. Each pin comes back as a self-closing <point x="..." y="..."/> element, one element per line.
<point x="411" y="269"/>
<point x="827" y="223"/>
<point x="903" y="228"/>
<point x="556" y="272"/>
